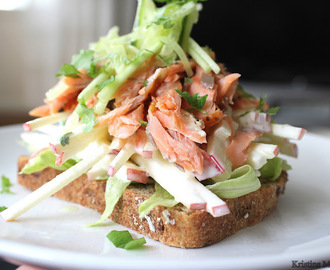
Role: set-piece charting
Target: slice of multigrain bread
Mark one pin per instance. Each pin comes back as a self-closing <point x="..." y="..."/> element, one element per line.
<point x="177" y="226"/>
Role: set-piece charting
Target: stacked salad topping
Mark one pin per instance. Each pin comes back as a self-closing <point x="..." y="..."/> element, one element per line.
<point x="153" y="106"/>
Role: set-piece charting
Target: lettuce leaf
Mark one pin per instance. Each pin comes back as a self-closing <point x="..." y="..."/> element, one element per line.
<point x="242" y="181"/>
<point x="160" y="197"/>
<point x="273" y="168"/>
<point x="44" y="160"/>
<point x="114" y="190"/>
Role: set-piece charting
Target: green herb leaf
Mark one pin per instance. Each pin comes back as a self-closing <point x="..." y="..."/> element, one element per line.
<point x="5" y="185"/>
<point x="143" y="123"/>
<point x="93" y="70"/>
<point x="87" y="116"/>
<point x="65" y="139"/>
<point x="123" y="239"/>
<point x="262" y="100"/>
<point x="83" y="60"/>
<point x="188" y="80"/>
<point x="273" y="111"/>
<point x="106" y="82"/>
<point x="195" y="101"/>
<point x="145" y="83"/>
<point x="261" y="104"/>
<point x="68" y="71"/>
<point x="3" y="208"/>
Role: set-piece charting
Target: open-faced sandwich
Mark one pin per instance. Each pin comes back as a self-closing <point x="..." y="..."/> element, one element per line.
<point x="151" y="131"/>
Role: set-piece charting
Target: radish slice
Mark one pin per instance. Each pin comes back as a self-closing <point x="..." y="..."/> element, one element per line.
<point x="137" y="175"/>
<point x="211" y="167"/>
<point x="120" y="160"/>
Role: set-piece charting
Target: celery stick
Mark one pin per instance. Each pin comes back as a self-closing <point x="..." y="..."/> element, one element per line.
<point x="202" y="58"/>
<point x="92" y="88"/>
<point x="100" y="149"/>
<point x="188" y="25"/>
<point x="74" y="146"/>
<point x="145" y="11"/>
<point x="180" y="52"/>
<point x="56" y="90"/>
<point x="43" y="121"/>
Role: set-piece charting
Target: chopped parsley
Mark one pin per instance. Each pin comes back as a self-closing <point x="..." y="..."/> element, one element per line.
<point x="123" y="239"/>
<point x="195" y="101"/>
<point x="84" y="60"/>
<point x="188" y="80"/>
<point x="87" y="116"/>
<point x="65" y="139"/>
<point x="68" y="71"/>
<point x="271" y="111"/>
<point x="143" y="123"/>
<point x="5" y="185"/>
<point x="145" y="83"/>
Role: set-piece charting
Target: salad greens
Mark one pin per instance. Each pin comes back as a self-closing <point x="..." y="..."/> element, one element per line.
<point x="87" y="116"/>
<point x="114" y="190"/>
<point x="273" y="168"/>
<point x="123" y="239"/>
<point x="242" y="181"/>
<point x="5" y="185"/>
<point x="160" y="197"/>
<point x="44" y="160"/>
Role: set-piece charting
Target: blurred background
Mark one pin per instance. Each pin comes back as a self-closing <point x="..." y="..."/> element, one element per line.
<point x="281" y="48"/>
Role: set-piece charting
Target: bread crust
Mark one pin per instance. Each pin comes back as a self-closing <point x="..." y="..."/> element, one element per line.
<point x="176" y="226"/>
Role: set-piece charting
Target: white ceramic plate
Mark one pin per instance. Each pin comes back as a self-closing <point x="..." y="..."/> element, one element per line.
<point x="53" y="234"/>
